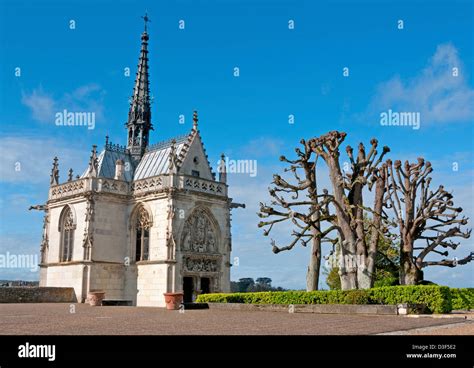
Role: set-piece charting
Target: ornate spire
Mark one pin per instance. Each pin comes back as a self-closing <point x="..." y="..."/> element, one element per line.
<point x="139" y="115"/>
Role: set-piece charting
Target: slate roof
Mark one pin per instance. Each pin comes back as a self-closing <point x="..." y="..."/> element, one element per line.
<point x="154" y="162"/>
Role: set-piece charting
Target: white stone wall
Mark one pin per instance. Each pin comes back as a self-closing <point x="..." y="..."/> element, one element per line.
<point x="130" y="283"/>
<point x="67" y="275"/>
<point x="79" y="210"/>
<point x="159" y="208"/>
<point x="151" y="284"/>
<point x="151" y="280"/>
<point x="110" y="230"/>
<point x="43" y="276"/>
<point x="108" y="278"/>
<point x="220" y="212"/>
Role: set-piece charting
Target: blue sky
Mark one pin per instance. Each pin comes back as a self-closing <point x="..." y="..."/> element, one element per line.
<point x="283" y="72"/>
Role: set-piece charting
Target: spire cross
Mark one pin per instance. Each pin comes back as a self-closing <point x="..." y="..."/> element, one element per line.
<point x="146" y="19"/>
<point x="195" y="120"/>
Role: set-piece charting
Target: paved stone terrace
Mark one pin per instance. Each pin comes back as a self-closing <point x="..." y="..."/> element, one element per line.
<point x="51" y="319"/>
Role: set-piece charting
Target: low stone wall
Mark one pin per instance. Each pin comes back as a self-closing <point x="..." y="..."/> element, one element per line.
<point x="22" y="294"/>
<point x="311" y="308"/>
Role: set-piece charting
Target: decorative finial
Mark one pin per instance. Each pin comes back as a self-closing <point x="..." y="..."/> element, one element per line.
<point x="55" y="172"/>
<point x="69" y="177"/>
<point x="93" y="162"/>
<point x="222" y="170"/>
<point x="146" y="20"/>
<point x="195" y="120"/>
<point x="173" y="166"/>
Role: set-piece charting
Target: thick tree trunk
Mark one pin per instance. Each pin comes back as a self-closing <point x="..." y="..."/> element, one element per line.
<point x="376" y="228"/>
<point x="364" y="277"/>
<point x="348" y="280"/>
<point x="347" y="267"/>
<point x="312" y="276"/>
<point x="356" y="201"/>
<point x="347" y="262"/>
<point x="409" y="273"/>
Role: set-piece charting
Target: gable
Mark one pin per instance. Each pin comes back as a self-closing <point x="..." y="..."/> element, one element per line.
<point x="194" y="153"/>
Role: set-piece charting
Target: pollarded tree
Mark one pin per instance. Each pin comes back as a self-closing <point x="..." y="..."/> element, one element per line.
<point x="299" y="202"/>
<point x="423" y="217"/>
<point x="357" y="260"/>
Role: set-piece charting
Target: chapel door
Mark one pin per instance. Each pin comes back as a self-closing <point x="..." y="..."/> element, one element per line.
<point x="205" y="285"/>
<point x="188" y="289"/>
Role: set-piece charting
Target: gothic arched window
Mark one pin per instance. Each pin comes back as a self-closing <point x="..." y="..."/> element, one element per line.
<point x="67" y="228"/>
<point x="142" y="235"/>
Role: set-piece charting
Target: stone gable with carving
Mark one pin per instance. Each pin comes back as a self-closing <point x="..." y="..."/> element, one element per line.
<point x="199" y="234"/>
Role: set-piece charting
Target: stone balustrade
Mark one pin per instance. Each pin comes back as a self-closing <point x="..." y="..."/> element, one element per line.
<point x="138" y="188"/>
<point x="193" y="183"/>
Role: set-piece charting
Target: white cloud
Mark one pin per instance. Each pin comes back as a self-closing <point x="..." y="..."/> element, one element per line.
<point x="42" y="105"/>
<point x="263" y="147"/>
<point x="29" y="160"/>
<point x="87" y="98"/>
<point x="439" y="96"/>
<point x="25" y="245"/>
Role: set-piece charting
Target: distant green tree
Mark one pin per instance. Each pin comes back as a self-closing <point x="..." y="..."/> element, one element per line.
<point x="264" y="283"/>
<point x="245" y="284"/>
<point x="234" y="287"/>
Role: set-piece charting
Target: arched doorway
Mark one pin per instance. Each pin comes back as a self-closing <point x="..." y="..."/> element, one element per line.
<point x="205" y="285"/>
<point x="188" y="289"/>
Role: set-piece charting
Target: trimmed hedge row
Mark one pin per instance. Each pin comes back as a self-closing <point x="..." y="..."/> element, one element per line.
<point x="438" y="299"/>
<point x="462" y="298"/>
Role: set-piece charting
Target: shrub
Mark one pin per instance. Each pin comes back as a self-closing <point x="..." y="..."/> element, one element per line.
<point x="357" y="297"/>
<point x="462" y="298"/>
<point x="436" y="298"/>
<point x="333" y="279"/>
<point x="386" y="281"/>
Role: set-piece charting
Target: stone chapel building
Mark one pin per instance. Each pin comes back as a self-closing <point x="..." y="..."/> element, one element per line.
<point x="142" y="219"/>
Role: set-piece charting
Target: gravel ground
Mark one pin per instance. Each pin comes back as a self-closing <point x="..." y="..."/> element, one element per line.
<point x="52" y="319"/>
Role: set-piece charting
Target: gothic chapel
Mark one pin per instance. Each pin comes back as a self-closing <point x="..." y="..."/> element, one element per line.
<point x="142" y="219"/>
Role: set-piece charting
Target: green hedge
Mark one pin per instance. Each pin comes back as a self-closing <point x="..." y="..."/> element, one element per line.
<point x="436" y="298"/>
<point x="288" y="297"/>
<point x="462" y="298"/>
